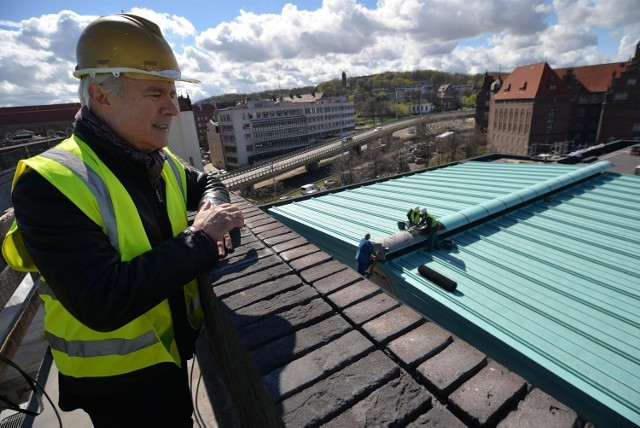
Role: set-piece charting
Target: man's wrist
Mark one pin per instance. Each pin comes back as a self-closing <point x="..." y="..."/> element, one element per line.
<point x="196" y="230"/>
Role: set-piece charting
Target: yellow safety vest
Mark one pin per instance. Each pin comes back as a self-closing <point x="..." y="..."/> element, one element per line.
<point x="74" y="169"/>
<point x="414" y="217"/>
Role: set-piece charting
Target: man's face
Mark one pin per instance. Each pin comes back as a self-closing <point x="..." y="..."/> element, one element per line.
<point x="142" y="113"/>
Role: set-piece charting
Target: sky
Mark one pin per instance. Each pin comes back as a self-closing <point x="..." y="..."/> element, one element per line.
<point x="246" y="46"/>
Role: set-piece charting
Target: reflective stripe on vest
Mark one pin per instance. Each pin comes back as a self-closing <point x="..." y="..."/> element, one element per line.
<point x="96" y="185"/>
<point x="101" y="348"/>
<point x="78" y="350"/>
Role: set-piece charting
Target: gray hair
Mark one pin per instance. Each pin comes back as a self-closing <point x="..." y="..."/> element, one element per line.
<point x="108" y="82"/>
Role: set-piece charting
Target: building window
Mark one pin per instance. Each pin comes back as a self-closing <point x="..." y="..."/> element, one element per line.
<point x="621" y="96"/>
<point x="521" y="121"/>
<point x="550" y="118"/>
<point x="631" y="81"/>
<point x="636" y="127"/>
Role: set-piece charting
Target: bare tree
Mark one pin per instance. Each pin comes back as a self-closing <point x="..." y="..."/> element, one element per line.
<point x="368" y="108"/>
<point x="474" y="144"/>
<point x="342" y="167"/>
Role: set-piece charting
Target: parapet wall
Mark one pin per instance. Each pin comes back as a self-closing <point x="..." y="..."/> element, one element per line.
<point x="303" y="340"/>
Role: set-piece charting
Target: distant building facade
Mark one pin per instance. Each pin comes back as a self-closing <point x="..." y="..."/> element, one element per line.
<point x="216" y="154"/>
<point x="30" y="130"/>
<point x="253" y="131"/>
<point x="203" y="113"/>
<point x="490" y="86"/>
<point x="541" y="110"/>
<point x="620" y="119"/>
<point x="447" y="98"/>
<point x="183" y="139"/>
<point x="42" y="120"/>
<point x="422" y="107"/>
<point x="416" y="97"/>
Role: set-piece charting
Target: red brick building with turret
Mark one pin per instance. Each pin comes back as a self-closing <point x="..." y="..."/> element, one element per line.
<point x="538" y="109"/>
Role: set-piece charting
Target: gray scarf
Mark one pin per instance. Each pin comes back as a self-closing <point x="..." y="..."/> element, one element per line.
<point x="153" y="162"/>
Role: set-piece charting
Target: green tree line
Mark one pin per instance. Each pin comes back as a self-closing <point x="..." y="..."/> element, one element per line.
<point x="370" y="93"/>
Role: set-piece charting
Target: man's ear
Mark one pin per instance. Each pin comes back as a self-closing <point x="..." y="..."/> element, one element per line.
<point x="99" y="98"/>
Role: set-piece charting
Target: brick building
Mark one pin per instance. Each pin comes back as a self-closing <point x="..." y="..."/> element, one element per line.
<point x="447" y="98"/>
<point x="42" y="120"/>
<point x="621" y="108"/>
<point x="490" y="85"/>
<point x="203" y="114"/>
<point x="538" y="109"/>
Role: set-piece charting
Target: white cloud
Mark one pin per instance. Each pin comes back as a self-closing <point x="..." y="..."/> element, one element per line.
<point x="168" y="23"/>
<point x="37" y="58"/>
<point x="297" y="47"/>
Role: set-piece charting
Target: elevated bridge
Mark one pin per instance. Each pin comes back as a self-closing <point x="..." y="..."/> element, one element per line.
<point x="248" y="176"/>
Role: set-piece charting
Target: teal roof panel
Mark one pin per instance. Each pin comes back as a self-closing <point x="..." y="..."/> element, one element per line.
<point x="556" y="282"/>
<point x="548" y="283"/>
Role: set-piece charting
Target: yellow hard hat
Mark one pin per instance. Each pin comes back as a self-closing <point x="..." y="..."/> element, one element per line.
<point x="125" y="43"/>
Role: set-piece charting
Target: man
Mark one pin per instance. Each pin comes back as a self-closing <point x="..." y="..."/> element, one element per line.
<point x="427" y="220"/>
<point x="413" y="217"/>
<point x="103" y="217"/>
<point x="430" y="226"/>
<point x="365" y="255"/>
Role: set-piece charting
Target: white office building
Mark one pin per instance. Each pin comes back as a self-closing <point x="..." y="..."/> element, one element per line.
<point x="256" y="130"/>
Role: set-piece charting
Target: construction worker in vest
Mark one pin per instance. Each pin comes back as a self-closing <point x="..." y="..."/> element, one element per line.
<point x="103" y="218"/>
<point x="413" y="217"/>
<point x="430" y="226"/>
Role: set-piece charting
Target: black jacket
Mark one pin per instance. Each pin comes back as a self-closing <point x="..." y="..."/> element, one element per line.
<point x="84" y="270"/>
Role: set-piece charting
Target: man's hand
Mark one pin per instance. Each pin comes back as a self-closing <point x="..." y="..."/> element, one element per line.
<point x="217" y="221"/>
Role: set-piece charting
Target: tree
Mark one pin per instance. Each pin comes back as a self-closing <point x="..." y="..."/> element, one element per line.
<point x="469" y="101"/>
<point x="368" y="108"/>
<point x="474" y="144"/>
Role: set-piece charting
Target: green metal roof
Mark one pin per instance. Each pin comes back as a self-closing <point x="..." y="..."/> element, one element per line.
<point x="546" y="261"/>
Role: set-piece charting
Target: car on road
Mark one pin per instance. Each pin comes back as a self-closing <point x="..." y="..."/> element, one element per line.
<point x="308" y="189"/>
<point x="378" y="128"/>
<point x="420" y="161"/>
<point x="330" y="183"/>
